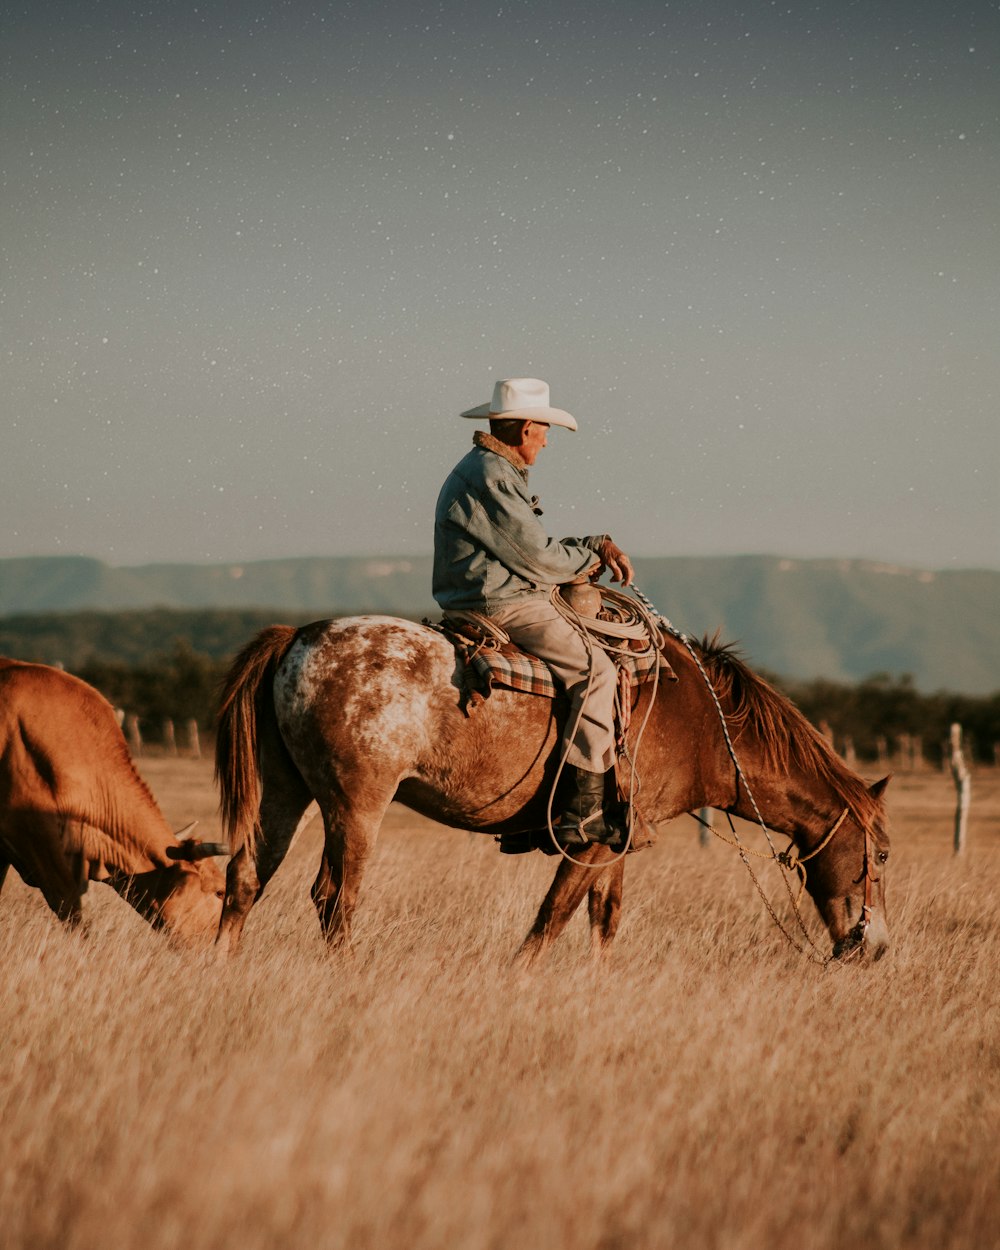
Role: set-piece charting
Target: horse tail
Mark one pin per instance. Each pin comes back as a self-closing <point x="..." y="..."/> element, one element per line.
<point x="237" y="744"/>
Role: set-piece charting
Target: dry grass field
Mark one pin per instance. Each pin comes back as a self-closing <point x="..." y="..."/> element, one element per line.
<point x="706" y="1087"/>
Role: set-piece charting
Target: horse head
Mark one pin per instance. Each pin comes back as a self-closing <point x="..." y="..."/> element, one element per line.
<point x="846" y="880"/>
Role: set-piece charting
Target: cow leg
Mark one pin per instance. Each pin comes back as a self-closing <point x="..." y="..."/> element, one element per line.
<point x="283" y="811"/>
<point x="605" y="904"/>
<point x="51" y="864"/>
<point x="566" y="892"/>
<point x="351" y="831"/>
<point x="63" y="895"/>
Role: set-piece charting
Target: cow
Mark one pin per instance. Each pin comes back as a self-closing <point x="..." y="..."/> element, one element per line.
<point x="73" y="809"/>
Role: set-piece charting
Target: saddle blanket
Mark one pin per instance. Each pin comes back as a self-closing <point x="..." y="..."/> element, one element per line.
<point x="515" y="669"/>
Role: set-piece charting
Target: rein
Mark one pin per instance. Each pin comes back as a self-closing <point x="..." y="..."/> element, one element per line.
<point x="788" y="858"/>
<point x="785" y="859"/>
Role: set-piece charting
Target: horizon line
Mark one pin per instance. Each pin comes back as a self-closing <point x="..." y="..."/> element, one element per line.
<point x="877" y="563"/>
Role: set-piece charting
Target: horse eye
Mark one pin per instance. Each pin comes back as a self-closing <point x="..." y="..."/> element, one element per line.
<point x="882" y="856"/>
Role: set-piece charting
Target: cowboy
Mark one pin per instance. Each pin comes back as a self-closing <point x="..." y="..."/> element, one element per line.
<point x="493" y="556"/>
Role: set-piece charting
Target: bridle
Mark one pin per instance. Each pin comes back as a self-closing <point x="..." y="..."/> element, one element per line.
<point x="856" y="936"/>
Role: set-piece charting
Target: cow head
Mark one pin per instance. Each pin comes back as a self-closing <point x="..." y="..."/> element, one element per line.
<point x="183" y="895"/>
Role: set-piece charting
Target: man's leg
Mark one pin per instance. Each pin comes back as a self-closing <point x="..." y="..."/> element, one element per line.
<point x="589" y="678"/>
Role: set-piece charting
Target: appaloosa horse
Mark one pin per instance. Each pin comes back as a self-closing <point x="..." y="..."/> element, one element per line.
<point x="360" y="711"/>
<point x="73" y="809"/>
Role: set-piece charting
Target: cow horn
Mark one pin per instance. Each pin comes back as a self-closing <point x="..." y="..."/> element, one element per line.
<point x="191" y="849"/>
<point x="207" y="849"/>
<point x="181" y="834"/>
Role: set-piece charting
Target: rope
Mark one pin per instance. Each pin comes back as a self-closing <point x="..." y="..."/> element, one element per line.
<point x="781" y="858"/>
<point x="786" y="858"/>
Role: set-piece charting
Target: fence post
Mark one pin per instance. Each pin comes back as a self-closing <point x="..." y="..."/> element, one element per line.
<point x="194" y="743"/>
<point x="132" y="734"/>
<point x="882" y="747"/>
<point x="963" y="786"/>
<point x="169" y="737"/>
<point x="705" y="830"/>
<point x="850" y="754"/>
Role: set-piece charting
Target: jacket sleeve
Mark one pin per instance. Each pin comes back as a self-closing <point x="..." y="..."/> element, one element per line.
<point x="503" y="520"/>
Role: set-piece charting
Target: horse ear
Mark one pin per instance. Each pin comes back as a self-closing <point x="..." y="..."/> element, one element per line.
<point x="878" y="789"/>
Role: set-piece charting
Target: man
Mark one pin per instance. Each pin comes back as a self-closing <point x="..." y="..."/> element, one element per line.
<point x="493" y="556"/>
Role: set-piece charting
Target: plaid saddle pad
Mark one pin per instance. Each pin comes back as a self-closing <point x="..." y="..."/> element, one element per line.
<point x="489" y="663"/>
<point x="508" y="666"/>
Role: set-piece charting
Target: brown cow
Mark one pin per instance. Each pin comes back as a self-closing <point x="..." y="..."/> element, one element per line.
<point x="73" y="809"/>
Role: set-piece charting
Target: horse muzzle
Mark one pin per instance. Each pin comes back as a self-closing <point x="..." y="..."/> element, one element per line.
<point x="868" y="940"/>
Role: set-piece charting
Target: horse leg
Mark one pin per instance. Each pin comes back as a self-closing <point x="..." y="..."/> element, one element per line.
<point x="283" y="811"/>
<point x="351" y="831"/>
<point x="566" y="892"/>
<point x="605" y="904"/>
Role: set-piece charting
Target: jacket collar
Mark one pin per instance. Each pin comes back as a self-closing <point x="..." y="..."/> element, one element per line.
<point x="488" y="443"/>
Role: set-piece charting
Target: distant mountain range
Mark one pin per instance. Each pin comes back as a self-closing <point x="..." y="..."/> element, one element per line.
<point x="840" y="619"/>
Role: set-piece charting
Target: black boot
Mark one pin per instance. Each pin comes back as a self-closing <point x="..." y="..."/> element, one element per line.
<point x="585" y="819"/>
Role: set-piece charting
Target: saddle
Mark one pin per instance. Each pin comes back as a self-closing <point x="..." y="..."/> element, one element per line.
<point x="489" y="658"/>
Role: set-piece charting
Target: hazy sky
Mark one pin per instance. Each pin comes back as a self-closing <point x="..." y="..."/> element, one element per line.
<point x="257" y="256"/>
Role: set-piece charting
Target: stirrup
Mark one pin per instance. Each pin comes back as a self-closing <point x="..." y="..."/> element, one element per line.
<point x="605" y="833"/>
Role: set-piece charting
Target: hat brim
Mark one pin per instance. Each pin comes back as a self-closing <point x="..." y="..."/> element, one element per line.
<point x="546" y="416"/>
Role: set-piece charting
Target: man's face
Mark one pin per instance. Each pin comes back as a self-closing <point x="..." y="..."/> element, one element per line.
<point x="534" y="437"/>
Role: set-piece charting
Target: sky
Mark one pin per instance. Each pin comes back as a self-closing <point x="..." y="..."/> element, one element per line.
<point x="257" y="257"/>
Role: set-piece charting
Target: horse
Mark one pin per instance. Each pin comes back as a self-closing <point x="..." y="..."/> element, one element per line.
<point x="74" y="810"/>
<point x="357" y="712"/>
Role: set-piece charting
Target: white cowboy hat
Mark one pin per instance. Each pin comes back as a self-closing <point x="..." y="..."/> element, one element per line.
<point x="523" y="399"/>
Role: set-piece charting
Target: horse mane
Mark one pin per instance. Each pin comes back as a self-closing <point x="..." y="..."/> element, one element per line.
<point x="785" y="735"/>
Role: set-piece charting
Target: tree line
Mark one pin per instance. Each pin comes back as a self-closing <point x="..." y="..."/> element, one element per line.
<point x="168" y="665"/>
<point x="887" y="707"/>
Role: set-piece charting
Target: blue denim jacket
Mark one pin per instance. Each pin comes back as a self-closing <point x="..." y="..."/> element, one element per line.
<point x="490" y="548"/>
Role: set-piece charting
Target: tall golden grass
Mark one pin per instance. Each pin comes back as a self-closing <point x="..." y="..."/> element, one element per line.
<point x="705" y="1088"/>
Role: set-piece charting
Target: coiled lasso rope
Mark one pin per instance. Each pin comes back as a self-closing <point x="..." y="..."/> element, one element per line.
<point x="623" y="621"/>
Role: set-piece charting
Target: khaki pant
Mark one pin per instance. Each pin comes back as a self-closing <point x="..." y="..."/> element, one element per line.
<point x="537" y="627"/>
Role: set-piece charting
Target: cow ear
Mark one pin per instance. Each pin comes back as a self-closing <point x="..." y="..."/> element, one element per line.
<point x="878" y="789"/>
